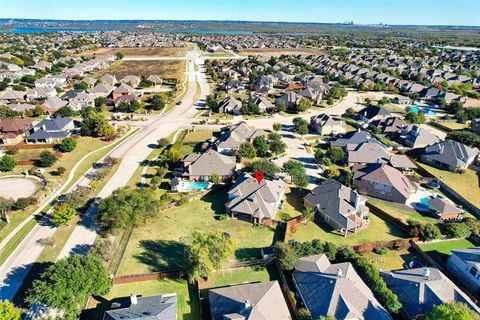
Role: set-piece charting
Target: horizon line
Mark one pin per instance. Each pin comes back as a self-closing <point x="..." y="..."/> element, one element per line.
<point x="251" y="21"/>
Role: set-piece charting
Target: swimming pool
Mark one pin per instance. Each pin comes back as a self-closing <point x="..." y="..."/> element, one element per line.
<point x="426" y="110"/>
<point x="194" y="185"/>
<point x="423" y="205"/>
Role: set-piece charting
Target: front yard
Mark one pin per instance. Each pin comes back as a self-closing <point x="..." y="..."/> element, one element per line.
<point x="377" y="230"/>
<point x="187" y="302"/>
<point x="466" y="184"/>
<point x="157" y="245"/>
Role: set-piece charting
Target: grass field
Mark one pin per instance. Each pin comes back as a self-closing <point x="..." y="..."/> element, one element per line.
<point x="441" y="250"/>
<point x="244" y="275"/>
<point x="401" y="211"/>
<point x="377" y="230"/>
<point x="197" y="136"/>
<point x="466" y="184"/>
<point x="130" y="52"/>
<point x="278" y="51"/>
<point x="165" y="69"/>
<point x="157" y="244"/>
<point x="393" y="260"/>
<point x="454" y="125"/>
<point x="187" y="303"/>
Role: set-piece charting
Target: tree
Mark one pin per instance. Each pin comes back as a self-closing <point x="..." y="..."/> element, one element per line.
<point x="61" y="171"/>
<point x="215" y="178"/>
<point x="7" y="113"/>
<point x="81" y="86"/>
<point x="300" y="126"/>
<point x="163" y="142"/>
<point x="466" y="137"/>
<point x="296" y="170"/>
<point x="156" y="103"/>
<point x="65" y="112"/>
<point x="350" y="112"/>
<point x="247" y="150"/>
<point x="451" y="311"/>
<point x="285" y="255"/>
<point x="276" y="145"/>
<point x="119" y="55"/>
<point x="66" y="285"/>
<point x="207" y="252"/>
<point x="103" y="248"/>
<point x="62" y="214"/>
<point x="457" y="230"/>
<point x="100" y="102"/>
<point x="277" y="126"/>
<point x="304" y="314"/>
<point x="308" y="214"/>
<point x="336" y="155"/>
<point x="269" y="168"/>
<point x="22" y="203"/>
<point x="7" y="163"/>
<point x="331" y="173"/>
<point x="8" y="312"/>
<point x="94" y="124"/>
<point x="415" y="117"/>
<point x="6" y="205"/>
<point x="304" y="104"/>
<point x="46" y="159"/>
<point x="67" y="145"/>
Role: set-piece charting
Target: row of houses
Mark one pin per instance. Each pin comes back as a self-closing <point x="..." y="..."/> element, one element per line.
<point x="46" y="131"/>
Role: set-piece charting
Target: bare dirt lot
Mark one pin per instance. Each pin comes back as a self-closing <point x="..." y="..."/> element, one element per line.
<point x="138" y="52"/>
<point x="278" y="51"/>
<point x="164" y="68"/>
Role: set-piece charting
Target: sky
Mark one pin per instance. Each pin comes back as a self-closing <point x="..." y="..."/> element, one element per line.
<point x="424" y="12"/>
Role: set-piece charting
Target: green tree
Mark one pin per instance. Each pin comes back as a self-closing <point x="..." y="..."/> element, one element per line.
<point x="247" y="150"/>
<point x="207" y="252"/>
<point x="6" y="206"/>
<point x="7" y="163"/>
<point x="8" y="312"/>
<point x="304" y="314"/>
<point x="296" y="170"/>
<point x="65" y="112"/>
<point x="156" y="103"/>
<point x="81" y="86"/>
<point x="119" y="55"/>
<point x="67" y="145"/>
<point x="277" y="126"/>
<point x="457" y="230"/>
<point x="62" y="214"/>
<point x="415" y="117"/>
<point x="261" y="146"/>
<point x="215" y="178"/>
<point x="336" y="155"/>
<point x="285" y="255"/>
<point x="308" y="214"/>
<point x="451" y="311"/>
<point x="94" y="124"/>
<point x="276" y="145"/>
<point x="46" y="159"/>
<point x="331" y="173"/>
<point x="269" y="168"/>
<point x="300" y="126"/>
<point x="304" y="104"/>
<point x="66" y="285"/>
<point x="100" y="102"/>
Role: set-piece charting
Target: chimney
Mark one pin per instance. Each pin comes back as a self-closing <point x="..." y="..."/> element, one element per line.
<point x="426" y="273"/>
<point x="248" y="304"/>
<point x="357" y="200"/>
<point x="339" y="272"/>
<point x="133" y="298"/>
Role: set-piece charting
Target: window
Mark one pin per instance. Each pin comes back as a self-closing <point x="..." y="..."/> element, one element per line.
<point x="473" y="271"/>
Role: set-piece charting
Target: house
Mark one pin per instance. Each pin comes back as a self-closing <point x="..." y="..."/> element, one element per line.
<point x="402" y="163"/>
<point x="234" y="86"/>
<point x="12" y="131"/>
<point x="162" y="307"/>
<point x="335" y="290"/>
<point x="464" y="264"/>
<point x="255" y="202"/>
<point x="12" y="96"/>
<point x="263" y="103"/>
<point x="289" y="100"/>
<point x="444" y="209"/>
<point x="382" y="181"/>
<point x="351" y="140"/>
<point x="123" y="90"/>
<point x="78" y="99"/>
<point x="233" y="136"/>
<point x="108" y="79"/>
<point x="263" y="84"/>
<point x="50" y="130"/>
<point x="368" y="152"/>
<point x="475" y="126"/>
<point x="40" y="93"/>
<point x="132" y="81"/>
<point x="53" y="104"/>
<point x="156" y="79"/>
<point x="421" y="289"/>
<point x="372" y="113"/>
<point x="230" y="105"/>
<point x="449" y="155"/>
<point x="90" y="81"/>
<point x="338" y="205"/>
<point x="102" y="90"/>
<point x="311" y="94"/>
<point x="416" y="137"/>
<point x="327" y="125"/>
<point x="391" y="126"/>
<point x="254" y="301"/>
<point x="201" y="166"/>
<point x="402" y="100"/>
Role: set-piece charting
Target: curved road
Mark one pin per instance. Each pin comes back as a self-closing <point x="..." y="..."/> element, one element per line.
<point x="131" y="152"/>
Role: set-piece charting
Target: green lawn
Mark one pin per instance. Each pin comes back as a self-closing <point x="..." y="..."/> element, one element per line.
<point x="197" y="136"/>
<point x="393" y="260"/>
<point x="454" y="125"/>
<point x="293" y="204"/>
<point x="466" y="184"/>
<point x="187" y="303"/>
<point x="401" y="211"/>
<point x="441" y="250"/>
<point x="244" y="275"/>
<point x="156" y="245"/>
<point x="378" y="230"/>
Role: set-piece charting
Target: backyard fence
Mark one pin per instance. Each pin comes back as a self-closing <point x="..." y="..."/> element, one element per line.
<point x="149" y="276"/>
<point x="382" y="213"/>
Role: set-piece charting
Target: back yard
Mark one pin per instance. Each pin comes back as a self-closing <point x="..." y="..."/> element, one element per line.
<point x="393" y="260"/>
<point x="441" y="250"/>
<point x="157" y="245"/>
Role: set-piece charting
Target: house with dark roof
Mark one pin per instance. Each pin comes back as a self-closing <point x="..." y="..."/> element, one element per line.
<point x="326" y="125"/>
<point x="351" y="140"/>
<point x="252" y="301"/>
<point x="402" y="163"/>
<point x="449" y="155"/>
<point x="444" y="209"/>
<point x="390" y="126"/>
<point x="199" y="166"/>
<point x="464" y="264"/>
<point x="163" y="307"/>
<point x="12" y="131"/>
<point x="421" y="289"/>
<point x="339" y="206"/>
<point x="373" y="113"/>
<point x="50" y="130"/>
<point x="230" y="105"/>
<point x="335" y="290"/>
<point x="382" y="181"/>
<point x="253" y="201"/>
<point x="233" y="136"/>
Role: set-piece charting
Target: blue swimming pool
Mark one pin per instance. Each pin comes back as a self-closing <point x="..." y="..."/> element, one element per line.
<point x="423" y="204"/>
<point x="194" y="185"/>
<point x="427" y="110"/>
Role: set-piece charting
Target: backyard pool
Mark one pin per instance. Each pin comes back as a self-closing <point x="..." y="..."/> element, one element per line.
<point x="423" y="204"/>
<point x="185" y="186"/>
<point x="428" y="111"/>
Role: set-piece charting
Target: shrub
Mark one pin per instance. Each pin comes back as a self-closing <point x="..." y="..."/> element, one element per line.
<point x="381" y="250"/>
<point x="47" y="159"/>
<point x="457" y="230"/>
<point x="103" y="249"/>
<point x="286" y="255"/>
<point x="22" y="203"/>
<point x="67" y="145"/>
<point x="61" y="171"/>
<point x="304" y="314"/>
<point x="223" y="217"/>
<point x="7" y="163"/>
<point x="277" y="126"/>
<point x="162" y="143"/>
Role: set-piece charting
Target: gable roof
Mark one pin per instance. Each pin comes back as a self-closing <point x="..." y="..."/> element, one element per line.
<point x="163" y="307"/>
<point x="452" y="152"/>
<point x="233" y="136"/>
<point x="15" y="125"/>
<point x="324" y="119"/>
<point x="253" y="198"/>
<point x="253" y="301"/>
<point x="210" y="162"/>
<point x="54" y="124"/>
<point x="352" y="139"/>
<point x="368" y="152"/>
<point x="419" y="290"/>
<point x="335" y="290"/>
<point x="470" y="255"/>
<point x="373" y="111"/>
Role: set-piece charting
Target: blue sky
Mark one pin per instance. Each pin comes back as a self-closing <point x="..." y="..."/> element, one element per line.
<point x="429" y="12"/>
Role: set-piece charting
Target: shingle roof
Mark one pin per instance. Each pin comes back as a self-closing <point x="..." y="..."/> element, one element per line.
<point x="233" y="136"/>
<point x="368" y="152"/>
<point x="209" y="162"/>
<point x="452" y="152"/>
<point x="163" y="307"/>
<point x="254" y="301"/>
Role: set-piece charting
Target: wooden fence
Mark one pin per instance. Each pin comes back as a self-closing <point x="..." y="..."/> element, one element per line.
<point x="382" y="213"/>
<point x="149" y="276"/>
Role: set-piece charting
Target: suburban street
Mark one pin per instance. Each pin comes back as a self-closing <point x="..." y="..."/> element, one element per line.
<point x="131" y="152"/>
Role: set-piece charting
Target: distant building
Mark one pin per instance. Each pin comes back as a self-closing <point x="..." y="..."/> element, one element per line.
<point x="233" y="136"/>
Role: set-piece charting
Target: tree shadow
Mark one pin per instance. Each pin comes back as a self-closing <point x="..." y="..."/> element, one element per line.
<point x="295" y="198"/>
<point x="161" y="255"/>
<point x="217" y="198"/>
<point x="245" y="254"/>
<point x="20" y="280"/>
